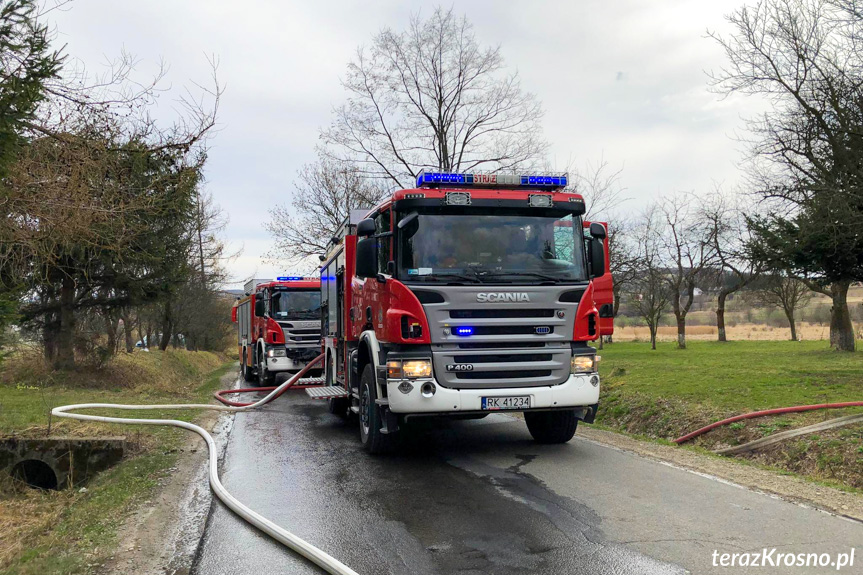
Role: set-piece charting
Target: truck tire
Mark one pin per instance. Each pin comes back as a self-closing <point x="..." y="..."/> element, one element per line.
<point x="371" y="437"/>
<point x="248" y="374"/>
<point x="551" y="426"/>
<point x="265" y="378"/>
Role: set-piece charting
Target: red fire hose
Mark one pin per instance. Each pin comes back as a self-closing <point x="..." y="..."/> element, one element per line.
<point x="294" y="379"/>
<point x="755" y="414"/>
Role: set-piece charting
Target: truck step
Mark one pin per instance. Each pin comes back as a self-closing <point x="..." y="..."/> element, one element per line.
<point x="309" y="381"/>
<point x="326" y="392"/>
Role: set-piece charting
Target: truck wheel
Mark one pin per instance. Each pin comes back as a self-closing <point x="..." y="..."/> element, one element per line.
<point x="371" y="437"/>
<point x="551" y="426"/>
<point x="265" y="378"/>
<point x="248" y="374"/>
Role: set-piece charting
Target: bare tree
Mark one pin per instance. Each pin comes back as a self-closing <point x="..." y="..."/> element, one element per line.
<point x="726" y="222"/>
<point x="601" y="187"/>
<point x="785" y="292"/>
<point x="688" y="249"/>
<point x="648" y="292"/>
<point x="432" y="97"/>
<point x="325" y="194"/>
<point x="805" y="57"/>
<point x="623" y="255"/>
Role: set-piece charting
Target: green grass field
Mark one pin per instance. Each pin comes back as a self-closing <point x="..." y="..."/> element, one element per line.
<point x="668" y="392"/>
<point x="736" y="376"/>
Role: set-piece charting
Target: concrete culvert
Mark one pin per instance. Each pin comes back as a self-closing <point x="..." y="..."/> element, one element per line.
<point x="35" y="473"/>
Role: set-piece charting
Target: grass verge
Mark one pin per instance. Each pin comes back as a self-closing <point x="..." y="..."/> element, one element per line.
<point x="70" y="531"/>
<point x="665" y="393"/>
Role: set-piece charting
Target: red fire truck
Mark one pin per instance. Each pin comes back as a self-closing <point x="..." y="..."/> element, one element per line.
<point x="278" y="326"/>
<point x="470" y="294"/>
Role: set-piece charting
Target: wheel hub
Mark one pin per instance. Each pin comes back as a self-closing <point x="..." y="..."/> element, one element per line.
<point x="364" y="410"/>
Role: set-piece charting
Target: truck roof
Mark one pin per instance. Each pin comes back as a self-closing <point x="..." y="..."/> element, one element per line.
<point x="305" y="283"/>
<point x="478" y="193"/>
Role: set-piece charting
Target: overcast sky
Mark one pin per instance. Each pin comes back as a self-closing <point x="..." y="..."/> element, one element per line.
<point x="622" y="80"/>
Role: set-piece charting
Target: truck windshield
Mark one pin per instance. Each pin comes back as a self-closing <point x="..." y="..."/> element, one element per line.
<point x="300" y="304"/>
<point x="491" y="247"/>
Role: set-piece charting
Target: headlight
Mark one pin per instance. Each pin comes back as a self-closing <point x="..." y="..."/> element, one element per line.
<point x="276" y="352"/>
<point x="582" y="364"/>
<point x="408" y="369"/>
<point x="414" y="368"/>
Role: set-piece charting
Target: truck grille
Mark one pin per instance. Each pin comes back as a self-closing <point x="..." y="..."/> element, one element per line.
<point x="511" y="330"/>
<point x="512" y="342"/>
<point x="301" y="334"/>
<point x="484" y="345"/>
<point x="499" y="313"/>
<point x="497" y="358"/>
<point x="494" y="374"/>
<point x="498" y="367"/>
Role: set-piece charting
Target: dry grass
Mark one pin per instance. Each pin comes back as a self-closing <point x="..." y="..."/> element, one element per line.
<point x="739" y="332"/>
<point x="172" y="371"/>
<point x="39" y="532"/>
<point x="25" y="512"/>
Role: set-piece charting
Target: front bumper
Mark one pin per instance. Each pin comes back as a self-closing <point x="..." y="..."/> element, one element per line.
<point x="279" y="364"/>
<point x="576" y="391"/>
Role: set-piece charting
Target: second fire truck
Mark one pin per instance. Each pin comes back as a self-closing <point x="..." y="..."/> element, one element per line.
<point x="278" y="326"/>
<point x="471" y="293"/>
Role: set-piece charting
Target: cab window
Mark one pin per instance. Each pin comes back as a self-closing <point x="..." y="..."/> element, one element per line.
<point x="383" y="225"/>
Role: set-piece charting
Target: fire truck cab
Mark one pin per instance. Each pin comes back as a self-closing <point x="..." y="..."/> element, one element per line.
<point x="278" y="326"/>
<point x="470" y="294"/>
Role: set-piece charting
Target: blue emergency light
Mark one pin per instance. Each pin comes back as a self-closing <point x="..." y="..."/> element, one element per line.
<point x="290" y="279"/>
<point x="476" y="180"/>
<point x="464" y="331"/>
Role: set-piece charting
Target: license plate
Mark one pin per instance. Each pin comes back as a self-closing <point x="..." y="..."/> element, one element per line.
<point x="514" y="402"/>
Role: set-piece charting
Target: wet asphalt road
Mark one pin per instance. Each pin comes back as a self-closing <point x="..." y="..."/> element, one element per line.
<point x="477" y="497"/>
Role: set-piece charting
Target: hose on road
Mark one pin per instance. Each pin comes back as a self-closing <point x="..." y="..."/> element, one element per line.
<point x="754" y="414"/>
<point x="283" y="536"/>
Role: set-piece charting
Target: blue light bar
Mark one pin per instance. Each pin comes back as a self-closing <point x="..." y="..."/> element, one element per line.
<point x="464" y="331"/>
<point x="511" y="181"/>
<point x="290" y="279"/>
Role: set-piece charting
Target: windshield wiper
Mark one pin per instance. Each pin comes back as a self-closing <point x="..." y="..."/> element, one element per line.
<point x="473" y="279"/>
<point x="525" y="274"/>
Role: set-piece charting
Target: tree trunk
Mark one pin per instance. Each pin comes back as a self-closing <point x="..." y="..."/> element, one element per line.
<point x="127" y="330"/>
<point x="111" y="329"/>
<point x="652" y="336"/>
<point x="681" y="332"/>
<point x="789" y="313"/>
<point x="615" y="291"/>
<point x="167" y="331"/>
<point x="49" y="337"/>
<point x="720" y="315"/>
<point x="149" y="341"/>
<point x="167" y="326"/>
<point x="841" y="328"/>
<point x="65" y="356"/>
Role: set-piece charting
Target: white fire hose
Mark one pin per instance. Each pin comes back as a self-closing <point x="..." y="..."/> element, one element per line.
<point x="283" y="536"/>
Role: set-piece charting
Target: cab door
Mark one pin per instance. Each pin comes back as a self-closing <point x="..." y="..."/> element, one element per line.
<point x="603" y="289"/>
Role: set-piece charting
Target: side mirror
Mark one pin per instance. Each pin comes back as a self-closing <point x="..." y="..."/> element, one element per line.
<point x="366" y="228"/>
<point x="597" y="230"/>
<point x="595" y="255"/>
<point x="367" y="257"/>
<point x="259" y="308"/>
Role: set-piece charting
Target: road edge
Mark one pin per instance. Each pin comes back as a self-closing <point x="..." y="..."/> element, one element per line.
<point x="787" y="487"/>
<point x="162" y="534"/>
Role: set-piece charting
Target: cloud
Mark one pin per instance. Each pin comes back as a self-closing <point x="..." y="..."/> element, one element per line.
<point x="281" y="63"/>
